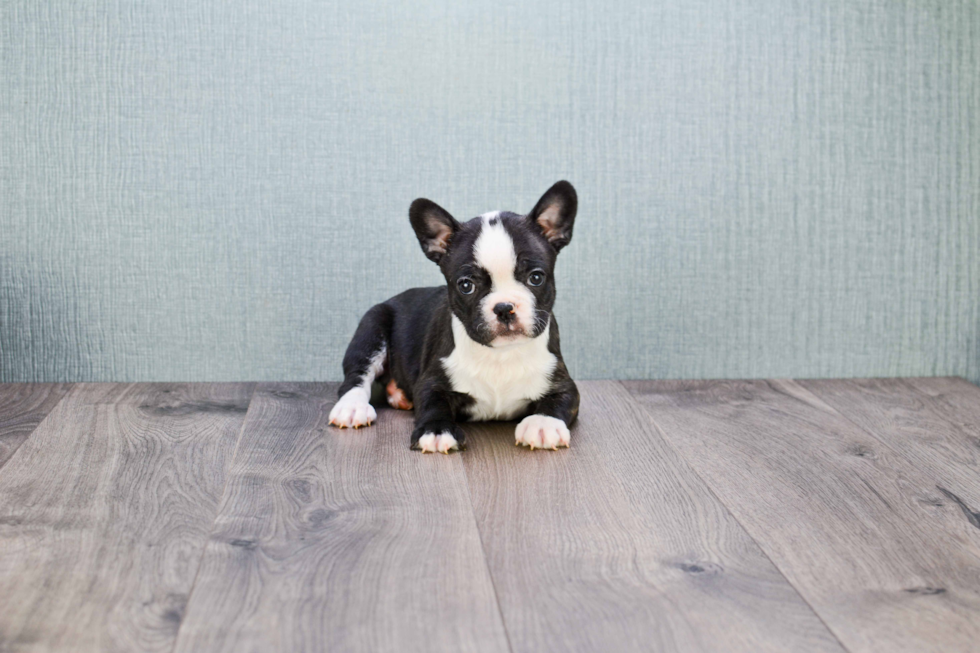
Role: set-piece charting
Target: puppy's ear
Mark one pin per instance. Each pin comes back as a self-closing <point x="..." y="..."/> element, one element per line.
<point x="554" y="214"/>
<point x="434" y="227"/>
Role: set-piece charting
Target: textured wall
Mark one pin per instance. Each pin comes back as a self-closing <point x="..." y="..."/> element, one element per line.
<point x="209" y="191"/>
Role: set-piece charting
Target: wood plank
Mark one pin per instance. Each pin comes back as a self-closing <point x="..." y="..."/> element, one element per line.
<point x="864" y="535"/>
<point x="104" y="513"/>
<point x="957" y="400"/>
<point x="616" y="545"/>
<point x="919" y="427"/>
<point x="331" y="540"/>
<point x="22" y="407"/>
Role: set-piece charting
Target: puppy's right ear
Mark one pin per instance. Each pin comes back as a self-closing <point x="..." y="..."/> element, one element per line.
<point x="434" y="227"/>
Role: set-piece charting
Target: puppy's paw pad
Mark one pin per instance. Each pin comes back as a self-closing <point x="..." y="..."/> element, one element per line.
<point x="442" y="443"/>
<point x="353" y="410"/>
<point x="541" y="432"/>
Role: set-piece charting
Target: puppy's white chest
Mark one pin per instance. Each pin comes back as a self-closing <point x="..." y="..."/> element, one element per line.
<point x="502" y="381"/>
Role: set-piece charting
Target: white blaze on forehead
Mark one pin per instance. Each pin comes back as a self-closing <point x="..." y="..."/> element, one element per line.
<point x="494" y="251"/>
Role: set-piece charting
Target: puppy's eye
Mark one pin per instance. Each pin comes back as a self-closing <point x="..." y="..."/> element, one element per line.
<point x="466" y="286"/>
<point x="536" y="278"/>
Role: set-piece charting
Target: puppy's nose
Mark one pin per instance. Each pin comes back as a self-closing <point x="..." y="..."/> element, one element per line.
<point x="505" y="312"/>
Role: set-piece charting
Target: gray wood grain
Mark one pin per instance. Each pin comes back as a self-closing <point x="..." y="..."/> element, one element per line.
<point x="616" y="545"/>
<point x="340" y="540"/>
<point x="863" y="534"/>
<point x="957" y="400"/>
<point x="104" y="513"/>
<point x="917" y="426"/>
<point x="22" y="407"/>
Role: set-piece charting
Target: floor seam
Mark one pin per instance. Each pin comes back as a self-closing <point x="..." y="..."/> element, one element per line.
<point x="729" y="510"/>
<point x="217" y="512"/>
<point x="68" y="391"/>
<point x="865" y="429"/>
<point x="882" y="440"/>
<point x="486" y="561"/>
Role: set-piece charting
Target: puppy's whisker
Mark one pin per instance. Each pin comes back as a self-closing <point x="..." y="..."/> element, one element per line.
<point x="541" y="320"/>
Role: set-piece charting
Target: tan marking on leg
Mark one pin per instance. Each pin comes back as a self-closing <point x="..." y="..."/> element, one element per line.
<point x="396" y="398"/>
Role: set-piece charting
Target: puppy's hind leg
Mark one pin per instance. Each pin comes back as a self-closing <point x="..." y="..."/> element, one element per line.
<point x="364" y="361"/>
<point x="396" y="397"/>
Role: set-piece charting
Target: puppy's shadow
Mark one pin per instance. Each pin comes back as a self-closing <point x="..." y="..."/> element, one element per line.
<point x="489" y="434"/>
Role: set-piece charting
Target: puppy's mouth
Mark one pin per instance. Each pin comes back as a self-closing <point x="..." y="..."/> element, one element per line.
<point x="509" y="330"/>
<point x="503" y="334"/>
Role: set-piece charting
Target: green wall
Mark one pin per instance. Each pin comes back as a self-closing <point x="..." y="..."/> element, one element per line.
<point x="213" y="191"/>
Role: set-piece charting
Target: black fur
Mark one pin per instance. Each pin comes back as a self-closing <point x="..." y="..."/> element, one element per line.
<point x="415" y="326"/>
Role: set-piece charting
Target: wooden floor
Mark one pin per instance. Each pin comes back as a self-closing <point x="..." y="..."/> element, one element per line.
<point x="686" y="516"/>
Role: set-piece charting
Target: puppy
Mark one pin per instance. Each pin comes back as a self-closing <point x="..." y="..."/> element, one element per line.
<point x="482" y="347"/>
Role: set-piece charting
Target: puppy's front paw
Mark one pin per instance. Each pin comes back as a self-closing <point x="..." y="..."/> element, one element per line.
<point x="542" y="432"/>
<point x="442" y="442"/>
<point x="353" y="410"/>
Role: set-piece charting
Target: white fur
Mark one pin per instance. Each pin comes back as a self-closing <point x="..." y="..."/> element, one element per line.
<point x="542" y="432"/>
<point x="443" y="443"/>
<point x="354" y="408"/>
<point x="502" y="380"/>
<point x="494" y="252"/>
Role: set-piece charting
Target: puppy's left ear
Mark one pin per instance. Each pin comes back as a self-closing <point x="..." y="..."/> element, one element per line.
<point x="554" y="214"/>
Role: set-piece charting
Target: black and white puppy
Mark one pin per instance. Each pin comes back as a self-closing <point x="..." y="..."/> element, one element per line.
<point x="483" y="347"/>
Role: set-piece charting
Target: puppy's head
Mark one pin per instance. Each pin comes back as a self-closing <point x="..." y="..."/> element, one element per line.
<point x="500" y="265"/>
